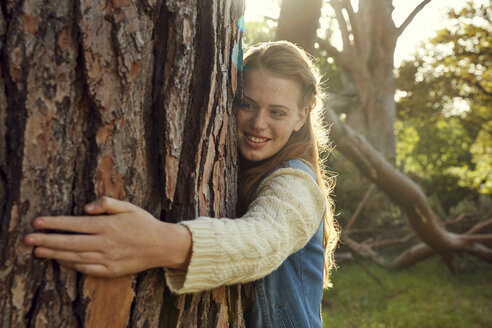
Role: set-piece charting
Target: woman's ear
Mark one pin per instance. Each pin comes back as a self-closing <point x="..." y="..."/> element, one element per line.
<point x="301" y="118"/>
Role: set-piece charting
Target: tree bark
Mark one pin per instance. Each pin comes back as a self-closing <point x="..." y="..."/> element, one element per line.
<point x="123" y="98"/>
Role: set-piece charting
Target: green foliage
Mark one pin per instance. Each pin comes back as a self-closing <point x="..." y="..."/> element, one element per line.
<point x="258" y="31"/>
<point x="427" y="295"/>
<point x="444" y="116"/>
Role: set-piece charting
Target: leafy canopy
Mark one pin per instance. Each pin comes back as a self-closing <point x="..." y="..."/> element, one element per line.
<point x="444" y="117"/>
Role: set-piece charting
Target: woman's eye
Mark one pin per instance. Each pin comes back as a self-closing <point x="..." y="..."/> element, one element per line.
<point x="246" y="105"/>
<point x="277" y="113"/>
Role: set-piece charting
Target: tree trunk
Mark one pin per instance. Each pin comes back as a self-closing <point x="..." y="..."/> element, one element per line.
<point x="374" y="115"/>
<point x="298" y="22"/>
<point x="367" y="99"/>
<point x="123" y="98"/>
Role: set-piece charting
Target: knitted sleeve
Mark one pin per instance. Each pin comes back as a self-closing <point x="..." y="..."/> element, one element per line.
<point x="283" y="217"/>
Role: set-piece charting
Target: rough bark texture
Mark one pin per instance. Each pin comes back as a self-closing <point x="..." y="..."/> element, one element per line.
<point x="124" y="98"/>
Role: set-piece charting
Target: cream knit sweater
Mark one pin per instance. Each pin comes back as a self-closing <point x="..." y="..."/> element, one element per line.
<point x="283" y="217"/>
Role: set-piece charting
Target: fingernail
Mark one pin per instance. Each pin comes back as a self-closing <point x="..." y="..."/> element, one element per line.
<point x="89" y="207"/>
<point x="39" y="252"/>
<point x="29" y="240"/>
<point x="38" y="222"/>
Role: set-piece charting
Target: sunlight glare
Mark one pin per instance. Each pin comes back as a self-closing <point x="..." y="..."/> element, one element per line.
<point x="256" y="10"/>
<point x="430" y="19"/>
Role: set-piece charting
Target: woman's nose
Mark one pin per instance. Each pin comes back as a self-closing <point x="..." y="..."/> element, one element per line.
<point x="258" y="121"/>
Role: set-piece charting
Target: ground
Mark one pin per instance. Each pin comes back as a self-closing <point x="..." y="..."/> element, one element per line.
<point x="426" y="295"/>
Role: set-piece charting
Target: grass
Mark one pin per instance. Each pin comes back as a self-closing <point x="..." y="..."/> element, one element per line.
<point x="426" y="295"/>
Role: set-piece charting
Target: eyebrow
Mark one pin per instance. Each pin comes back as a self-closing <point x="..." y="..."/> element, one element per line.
<point x="272" y="105"/>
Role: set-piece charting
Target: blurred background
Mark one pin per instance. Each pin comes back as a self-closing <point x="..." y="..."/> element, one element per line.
<point x="409" y="95"/>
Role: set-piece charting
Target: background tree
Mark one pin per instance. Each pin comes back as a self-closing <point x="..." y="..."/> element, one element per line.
<point x="366" y="85"/>
<point x="129" y="99"/>
<point x="291" y="18"/>
<point x="366" y="64"/>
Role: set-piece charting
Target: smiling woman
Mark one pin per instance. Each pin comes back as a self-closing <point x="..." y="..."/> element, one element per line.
<point x="268" y="114"/>
<point x="284" y="240"/>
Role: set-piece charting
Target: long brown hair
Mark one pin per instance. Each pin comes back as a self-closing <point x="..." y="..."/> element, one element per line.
<point x="288" y="60"/>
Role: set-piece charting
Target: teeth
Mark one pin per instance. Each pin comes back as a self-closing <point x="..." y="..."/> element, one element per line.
<point x="255" y="139"/>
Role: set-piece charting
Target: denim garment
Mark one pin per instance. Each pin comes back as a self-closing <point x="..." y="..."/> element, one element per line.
<point x="291" y="295"/>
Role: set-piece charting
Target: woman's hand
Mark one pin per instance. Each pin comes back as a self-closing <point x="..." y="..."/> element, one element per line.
<point x="119" y="239"/>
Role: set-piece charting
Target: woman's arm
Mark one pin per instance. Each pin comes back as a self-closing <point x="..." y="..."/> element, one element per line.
<point x="121" y="238"/>
<point x="118" y="239"/>
<point x="285" y="214"/>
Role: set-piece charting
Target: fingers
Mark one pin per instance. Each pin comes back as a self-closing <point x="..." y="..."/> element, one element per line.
<point x="98" y="270"/>
<point x="68" y="256"/>
<point x="109" y="205"/>
<point x="76" y="243"/>
<point x="80" y="224"/>
<point x="66" y="264"/>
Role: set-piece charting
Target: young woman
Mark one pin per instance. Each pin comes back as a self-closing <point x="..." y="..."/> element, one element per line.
<point x="285" y="238"/>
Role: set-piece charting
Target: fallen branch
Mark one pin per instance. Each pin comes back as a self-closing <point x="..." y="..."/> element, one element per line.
<point x="480" y="226"/>
<point x="359" y="208"/>
<point x="383" y="243"/>
<point x="459" y="218"/>
<point x="408" y="195"/>
<point x="479" y="251"/>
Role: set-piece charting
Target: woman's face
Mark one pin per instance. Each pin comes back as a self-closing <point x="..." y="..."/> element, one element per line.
<point x="268" y="114"/>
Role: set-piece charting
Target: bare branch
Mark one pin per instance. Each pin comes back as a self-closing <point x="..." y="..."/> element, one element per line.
<point x="354" y="24"/>
<point x="480" y="251"/>
<point x="479" y="226"/>
<point x="406" y="259"/>
<point x="363" y="251"/>
<point x="342" y="23"/>
<point x="339" y="57"/>
<point x="410" y="17"/>
<point x="484" y="239"/>
<point x="331" y="50"/>
<point x="360" y="207"/>
<point x="486" y="215"/>
<point x="458" y="219"/>
<point x="411" y="256"/>
<point x="382" y="243"/>
<point x="367" y="230"/>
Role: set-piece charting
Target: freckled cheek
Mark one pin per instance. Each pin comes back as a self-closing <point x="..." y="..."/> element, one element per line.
<point x="241" y="121"/>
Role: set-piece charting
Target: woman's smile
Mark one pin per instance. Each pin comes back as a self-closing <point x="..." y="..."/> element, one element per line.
<point x="256" y="141"/>
<point x="268" y="114"/>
